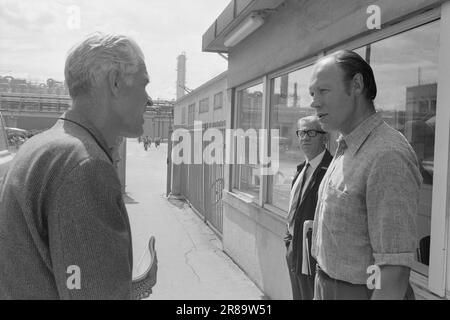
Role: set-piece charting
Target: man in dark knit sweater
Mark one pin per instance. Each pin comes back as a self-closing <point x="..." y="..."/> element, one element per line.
<point x="64" y="228"/>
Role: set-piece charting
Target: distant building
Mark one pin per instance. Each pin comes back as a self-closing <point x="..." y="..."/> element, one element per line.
<point x="159" y="119"/>
<point x="10" y="84"/>
<point x="206" y="103"/>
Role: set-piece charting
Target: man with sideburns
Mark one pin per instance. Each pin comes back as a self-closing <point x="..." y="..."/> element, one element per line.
<point x="368" y="199"/>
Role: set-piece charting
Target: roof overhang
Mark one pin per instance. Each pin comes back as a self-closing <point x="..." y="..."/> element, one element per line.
<point x="234" y="19"/>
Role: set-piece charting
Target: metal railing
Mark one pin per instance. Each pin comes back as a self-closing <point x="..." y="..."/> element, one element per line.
<point x="202" y="184"/>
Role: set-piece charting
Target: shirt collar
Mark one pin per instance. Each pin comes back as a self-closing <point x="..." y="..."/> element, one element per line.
<point x="356" y="138"/>
<point x="82" y="120"/>
<point x="314" y="163"/>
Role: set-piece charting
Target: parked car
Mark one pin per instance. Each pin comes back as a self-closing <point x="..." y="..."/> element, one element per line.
<point x="16" y="136"/>
<point x="5" y="155"/>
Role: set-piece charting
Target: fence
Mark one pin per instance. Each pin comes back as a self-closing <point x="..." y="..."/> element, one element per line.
<point x="202" y="184"/>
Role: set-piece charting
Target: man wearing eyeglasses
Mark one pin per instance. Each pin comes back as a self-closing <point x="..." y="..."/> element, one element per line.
<point x="302" y="203"/>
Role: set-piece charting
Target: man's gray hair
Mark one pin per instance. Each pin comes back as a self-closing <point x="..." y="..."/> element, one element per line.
<point x="91" y="60"/>
<point x="311" y="119"/>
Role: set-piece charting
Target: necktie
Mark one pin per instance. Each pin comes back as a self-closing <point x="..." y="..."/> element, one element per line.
<point x="296" y="195"/>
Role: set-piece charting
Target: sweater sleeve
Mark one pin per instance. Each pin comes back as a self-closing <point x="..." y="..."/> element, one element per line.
<point x="89" y="234"/>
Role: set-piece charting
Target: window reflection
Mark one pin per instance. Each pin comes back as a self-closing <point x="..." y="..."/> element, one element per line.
<point x="247" y="177"/>
<point x="405" y="68"/>
<point x="290" y="101"/>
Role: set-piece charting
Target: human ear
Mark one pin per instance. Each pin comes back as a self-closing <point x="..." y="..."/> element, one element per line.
<point x="358" y="84"/>
<point x="114" y="82"/>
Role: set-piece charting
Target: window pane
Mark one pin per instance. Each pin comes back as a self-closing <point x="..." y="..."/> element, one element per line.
<point x="183" y="115"/>
<point x="406" y="70"/>
<point x="247" y="175"/>
<point x="203" y="105"/>
<point x="218" y="100"/>
<point x="290" y="101"/>
<point x="191" y="114"/>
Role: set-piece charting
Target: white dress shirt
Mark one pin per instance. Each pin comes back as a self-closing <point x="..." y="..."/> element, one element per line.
<point x="313" y="164"/>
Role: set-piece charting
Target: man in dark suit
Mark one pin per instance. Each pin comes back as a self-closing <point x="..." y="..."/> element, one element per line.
<point x="302" y="205"/>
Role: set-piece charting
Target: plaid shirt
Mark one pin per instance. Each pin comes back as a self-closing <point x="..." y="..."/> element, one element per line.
<point x="367" y="204"/>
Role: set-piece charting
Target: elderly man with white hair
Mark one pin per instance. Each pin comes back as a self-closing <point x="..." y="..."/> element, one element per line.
<point x="312" y="141"/>
<point x="64" y="228"/>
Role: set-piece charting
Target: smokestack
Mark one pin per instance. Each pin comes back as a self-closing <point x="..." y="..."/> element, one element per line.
<point x="181" y="75"/>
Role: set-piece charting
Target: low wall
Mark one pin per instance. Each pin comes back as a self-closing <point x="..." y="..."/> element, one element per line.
<point x="253" y="238"/>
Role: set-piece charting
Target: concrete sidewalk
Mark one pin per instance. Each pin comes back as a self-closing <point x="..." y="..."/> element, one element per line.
<point x="191" y="263"/>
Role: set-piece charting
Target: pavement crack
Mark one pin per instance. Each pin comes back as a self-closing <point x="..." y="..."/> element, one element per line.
<point x="194" y="247"/>
<point x="186" y="260"/>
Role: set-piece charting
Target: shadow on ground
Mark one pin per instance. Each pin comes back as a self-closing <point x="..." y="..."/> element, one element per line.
<point x="129" y="200"/>
<point x="177" y="202"/>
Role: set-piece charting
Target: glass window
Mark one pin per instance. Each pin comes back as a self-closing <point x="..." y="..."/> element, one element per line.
<point x="191" y="114"/>
<point x="183" y="115"/>
<point x="203" y="105"/>
<point x="289" y="101"/>
<point x="406" y="71"/>
<point x="218" y="100"/>
<point x="247" y="175"/>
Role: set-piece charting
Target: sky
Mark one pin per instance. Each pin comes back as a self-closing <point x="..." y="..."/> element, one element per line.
<point x="35" y="36"/>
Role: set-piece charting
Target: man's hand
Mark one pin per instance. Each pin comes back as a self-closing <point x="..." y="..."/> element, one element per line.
<point x="394" y="283"/>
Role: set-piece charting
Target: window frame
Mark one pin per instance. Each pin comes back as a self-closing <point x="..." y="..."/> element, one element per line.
<point x="234" y="168"/>
<point x="190" y="123"/>
<point x="215" y="107"/>
<point x="201" y="103"/>
<point x="271" y="79"/>
<point x="183" y="115"/>
<point x="437" y="282"/>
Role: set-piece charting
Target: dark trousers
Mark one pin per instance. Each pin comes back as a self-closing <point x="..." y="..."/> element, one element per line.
<point x="302" y="285"/>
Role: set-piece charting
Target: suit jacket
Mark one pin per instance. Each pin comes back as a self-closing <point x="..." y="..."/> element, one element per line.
<point x="305" y="211"/>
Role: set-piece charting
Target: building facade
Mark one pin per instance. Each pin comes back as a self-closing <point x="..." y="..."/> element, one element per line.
<point x="207" y="103"/>
<point x="407" y="43"/>
<point x="200" y="183"/>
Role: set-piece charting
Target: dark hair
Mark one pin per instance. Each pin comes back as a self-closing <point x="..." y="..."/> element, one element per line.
<point x="352" y="63"/>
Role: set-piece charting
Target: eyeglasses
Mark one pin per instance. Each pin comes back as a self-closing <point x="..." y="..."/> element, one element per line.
<point x="310" y="133"/>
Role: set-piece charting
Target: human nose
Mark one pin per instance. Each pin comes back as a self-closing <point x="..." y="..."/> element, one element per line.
<point x="315" y="103"/>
